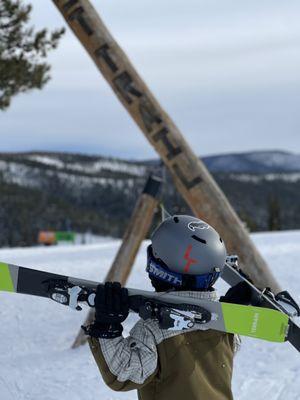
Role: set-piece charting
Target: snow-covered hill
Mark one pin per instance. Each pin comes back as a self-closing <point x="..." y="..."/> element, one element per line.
<point x="35" y="170"/>
<point x="16" y="167"/>
<point x="77" y="172"/>
<point x="36" y="361"/>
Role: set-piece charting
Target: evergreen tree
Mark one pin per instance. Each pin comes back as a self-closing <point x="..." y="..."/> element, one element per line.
<point x="274" y="214"/>
<point x="22" y="51"/>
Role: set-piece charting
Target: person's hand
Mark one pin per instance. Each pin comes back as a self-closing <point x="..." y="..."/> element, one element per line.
<point x="238" y="294"/>
<point x="111" y="309"/>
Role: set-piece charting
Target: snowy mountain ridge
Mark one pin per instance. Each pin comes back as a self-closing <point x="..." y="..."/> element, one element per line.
<point x="78" y="172"/>
<point x="35" y="177"/>
<point x="90" y="167"/>
<point x="258" y="162"/>
<point x="254" y="162"/>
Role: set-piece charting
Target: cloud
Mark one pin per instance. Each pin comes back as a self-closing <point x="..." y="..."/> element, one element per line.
<point x="226" y="72"/>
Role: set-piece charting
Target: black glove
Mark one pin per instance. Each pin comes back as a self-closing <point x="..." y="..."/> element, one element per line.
<point x="111" y="309"/>
<point x="238" y="294"/>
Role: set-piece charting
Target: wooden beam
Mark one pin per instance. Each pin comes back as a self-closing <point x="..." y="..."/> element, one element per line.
<point x="135" y="233"/>
<point x="190" y="176"/>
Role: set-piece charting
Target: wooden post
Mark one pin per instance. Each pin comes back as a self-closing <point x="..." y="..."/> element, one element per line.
<point x="136" y="232"/>
<point x="190" y="176"/>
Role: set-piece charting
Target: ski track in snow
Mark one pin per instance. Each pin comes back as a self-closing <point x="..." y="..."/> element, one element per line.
<point x="36" y="362"/>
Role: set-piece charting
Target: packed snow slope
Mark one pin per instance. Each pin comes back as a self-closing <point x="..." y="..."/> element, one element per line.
<point x="36" y="361"/>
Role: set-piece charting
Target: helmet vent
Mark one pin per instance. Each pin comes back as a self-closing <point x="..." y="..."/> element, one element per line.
<point x="199" y="239"/>
<point x="176" y="220"/>
<point x="221" y="240"/>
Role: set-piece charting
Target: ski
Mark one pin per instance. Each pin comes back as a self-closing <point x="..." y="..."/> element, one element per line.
<point x="269" y="322"/>
<point x="282" y="301"/>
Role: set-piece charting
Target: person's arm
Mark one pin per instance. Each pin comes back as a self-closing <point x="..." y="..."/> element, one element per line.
<point x="124" y="363"/>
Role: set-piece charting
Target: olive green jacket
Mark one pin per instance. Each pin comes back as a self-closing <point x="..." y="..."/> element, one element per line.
<point x="196" y="365"/>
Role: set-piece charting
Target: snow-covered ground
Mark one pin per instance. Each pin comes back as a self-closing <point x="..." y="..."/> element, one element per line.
<point x="36" y="361"/>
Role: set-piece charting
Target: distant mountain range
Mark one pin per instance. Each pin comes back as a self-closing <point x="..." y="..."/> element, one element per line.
<point x="42" y="190"/>
<point x="259" y="162"/>
<point x="254" y="162"/>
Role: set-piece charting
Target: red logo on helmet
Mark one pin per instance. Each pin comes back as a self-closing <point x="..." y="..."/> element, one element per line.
<point x="189" y="261"/>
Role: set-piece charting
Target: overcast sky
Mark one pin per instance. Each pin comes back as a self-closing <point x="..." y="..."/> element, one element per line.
<point x="228" y="72"/>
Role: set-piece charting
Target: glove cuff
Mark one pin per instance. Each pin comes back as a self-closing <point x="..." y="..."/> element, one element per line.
<point x="103" y="331"/>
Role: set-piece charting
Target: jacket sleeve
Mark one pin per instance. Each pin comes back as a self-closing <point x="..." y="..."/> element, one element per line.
<point x="127" y="363"/>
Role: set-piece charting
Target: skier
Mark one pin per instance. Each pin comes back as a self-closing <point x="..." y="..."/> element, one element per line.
<point x="186" y="256"/>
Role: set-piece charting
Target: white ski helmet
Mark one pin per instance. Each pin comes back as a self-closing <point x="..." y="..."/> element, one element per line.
<point x="186" y="249"/>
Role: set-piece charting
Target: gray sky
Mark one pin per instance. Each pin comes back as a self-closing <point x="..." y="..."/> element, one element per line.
<point x="228" y="72"/>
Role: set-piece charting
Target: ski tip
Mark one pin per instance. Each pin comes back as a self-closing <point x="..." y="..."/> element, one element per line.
<point x="256" y="322"/>
<point x="6" y="279"/>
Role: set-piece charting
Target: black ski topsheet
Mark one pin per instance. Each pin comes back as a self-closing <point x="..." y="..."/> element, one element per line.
<point x="36" y="283"/>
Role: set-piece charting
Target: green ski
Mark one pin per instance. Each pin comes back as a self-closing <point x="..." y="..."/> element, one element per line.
<point x="173" y="312"/>
<point x="256" y="322"/>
